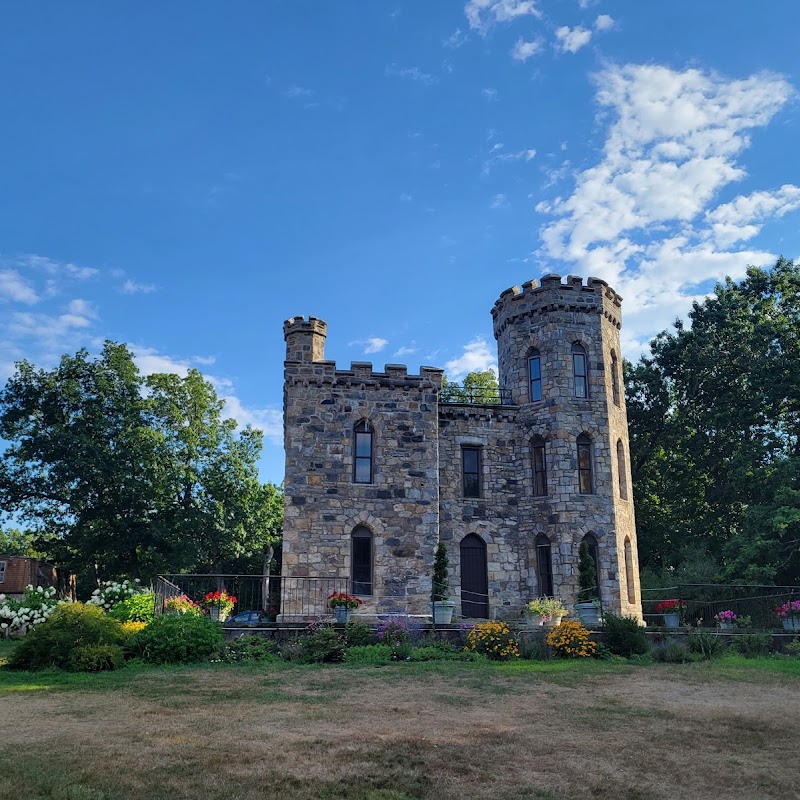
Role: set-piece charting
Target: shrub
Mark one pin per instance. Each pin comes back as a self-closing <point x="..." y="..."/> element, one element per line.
<point x="70" y="627"/>
<point x="110" y="593"/>
<point x="368" y="654"/>
<point x="705" y="644"/>
<point x="138" y="608"/>
<point x="178" y="639"/>
<point x="35" y="607"/>
<point x="442" y="651"/>
<point x="357" y="634"/>
<point x="673" y="651"/>
<point x="493" y="640"/>
<point x="393" y="631"/>
<point x="571" y="640"/>
<point x="624" y="636"/>
<point x="753" y="645"/>
<point x="323" y="644"/>
<point x="249" y="647"/>
<point x="96" y="658"/>
<point x="292" y="651"/>
<point x="793" y="648"/>
<point x="534" y="648"/>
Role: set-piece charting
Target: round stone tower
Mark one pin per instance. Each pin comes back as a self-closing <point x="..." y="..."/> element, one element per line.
<point x="559" y="359"/>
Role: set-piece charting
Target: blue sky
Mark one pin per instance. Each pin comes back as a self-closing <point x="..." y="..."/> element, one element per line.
<point x="184" y="176"/>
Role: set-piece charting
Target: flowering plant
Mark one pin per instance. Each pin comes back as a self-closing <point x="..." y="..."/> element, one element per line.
<point x="393" y="631"/>
<point x="494" y="640"/>
<point x="725" y="616"/>
<point x="224" y="601"/>
<point x="109" y="593"/>
<point x="791" y="608"/>
<point x="342" y="600"/>
<point x="35" y="607"/>
<point x="181" y="604"/>
<point x="670" y="607"/>
<point x="571" y="640"/>
<point x="547" y="607"/>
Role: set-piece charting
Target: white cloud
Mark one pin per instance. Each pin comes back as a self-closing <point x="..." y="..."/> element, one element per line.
<point x="131" y="287"/>
<point x="405" y="351"/>
<point x="204" y="360"/>
<point x="298" y="92"/>
<point x="527" y="154"/>
<point x="570" y="40"/>
<point x="373" y="344"/>
<point x="522" y="50"/>
<point x="644" y="217"/>
<point x="489" y="94"/>
<point x="604" y="23"/>
<point x="482" y="14"/>
<point x="413" y="73"/>
<point x="477" y="357"/>
<point x="499" y="201"/>
<point x="16" y="288"/>
<point x="457" y="39"/>
<point x="405" y="197"/>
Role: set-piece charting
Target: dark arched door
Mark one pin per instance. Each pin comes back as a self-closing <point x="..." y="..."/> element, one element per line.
<point x="474" y="578"/>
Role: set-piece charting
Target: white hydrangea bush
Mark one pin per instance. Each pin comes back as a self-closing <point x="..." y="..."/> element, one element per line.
<point x="110" y="593"/>
<point x="19" y="616"/>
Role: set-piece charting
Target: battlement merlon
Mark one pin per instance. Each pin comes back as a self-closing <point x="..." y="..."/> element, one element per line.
<point x="305" y="339"/>
<point x="552" y="293"/>
<point x="361" y="373"/>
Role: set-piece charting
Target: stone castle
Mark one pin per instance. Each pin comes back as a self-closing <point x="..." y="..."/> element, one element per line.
<point x="381" y="466"/>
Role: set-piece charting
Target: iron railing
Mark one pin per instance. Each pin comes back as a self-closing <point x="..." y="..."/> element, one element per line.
<point x="453" y="393"/>
<point x="700" y="602"/>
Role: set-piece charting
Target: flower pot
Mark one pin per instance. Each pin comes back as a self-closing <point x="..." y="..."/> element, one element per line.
<point x="672" y="619"/>
<point x="726" y="626"/>
<point x="218" y="614"/>
<point x="443" y="611"/>
<point x="342" y="614"/>
<point x="588" y="613"/>
<point x="791" y="624"/>
<point x="537" y="620"/>
<point x="555" y="620"/>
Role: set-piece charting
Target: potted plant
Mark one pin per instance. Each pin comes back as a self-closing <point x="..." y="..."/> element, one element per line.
<point x="587" y="606"/>
<point x="547" y="611"/>
<point x="342" y="605"/>
<point x="672" y="611"/>
<point x="789" y="613"/>
<point x="219" y="605"/>
<point x="442" y="605"/>
<point x="726" y="620"/>
<point x="181" y="604"/>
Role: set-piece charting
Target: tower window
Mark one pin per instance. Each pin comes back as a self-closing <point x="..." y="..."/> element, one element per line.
<point x="622" y="472"/>
<point x="615" y="379"/>
<point x="629" y="580"/>
<point x="362" y="450"/>
<point x="585" y="464"/>
<point x="535" y="376"/>
<point x="544" y="565"/>
<point x="361" y="561"/>
<point x="579" y="370"/>
<point x="594" y="552"/>
<point x="471" y="471"/>
<point x="539" y="467"/>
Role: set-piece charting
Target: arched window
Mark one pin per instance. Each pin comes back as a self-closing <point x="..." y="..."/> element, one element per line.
<point x="580" y="370"/>
<point x="361" y="561"/>
<point x="615" y="378"/>
<point x="594" y="552"/>
<point x="544" y="565"/>
<point x="362" y="452"/>
<point x="585" y="483"/>
<point x="622" y="471"/>
<point x="534" y="376"/>
<point x="539" y="467"/>
<point x="629" y="583"/>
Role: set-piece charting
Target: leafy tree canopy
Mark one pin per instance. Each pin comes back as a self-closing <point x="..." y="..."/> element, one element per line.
<point x="477" y="387"/>
<point x="121" y="475"/>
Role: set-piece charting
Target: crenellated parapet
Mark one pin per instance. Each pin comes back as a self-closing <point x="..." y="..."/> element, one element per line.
<point x="362" y="375"/>
<point x="552" y="294"/>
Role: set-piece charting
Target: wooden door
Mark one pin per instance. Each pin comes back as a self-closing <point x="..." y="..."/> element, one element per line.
<point x="474" y="578"/>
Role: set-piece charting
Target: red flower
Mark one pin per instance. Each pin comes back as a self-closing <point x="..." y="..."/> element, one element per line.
<point x="670" y="606"/>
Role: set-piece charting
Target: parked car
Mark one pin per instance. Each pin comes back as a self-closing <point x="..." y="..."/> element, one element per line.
<point x="246" y="619"/>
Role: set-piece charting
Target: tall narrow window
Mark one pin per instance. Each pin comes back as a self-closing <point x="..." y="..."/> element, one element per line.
<point x="615" y="378"/>
<point x="622" y="472"/>
<point x="362" y="451"/>
<point x="471" y="471"/>
<point x="579" y="370"/>
<point x="539" y="467"/>
<point x="2" y="571"/>
<point x="629" y="581"/>
<point x="361" y="561"/>
<point x="544" y="565"/>
<point x="535" y="376"/>
<point x="585" y="485"/>
<point x="594" y="552"/>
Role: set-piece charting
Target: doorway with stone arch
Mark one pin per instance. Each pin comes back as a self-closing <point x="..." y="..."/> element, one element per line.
<point x="474" y="578"/>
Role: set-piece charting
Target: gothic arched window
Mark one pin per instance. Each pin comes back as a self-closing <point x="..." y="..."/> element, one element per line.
<point x="622" y="472"/>
<point x="580" y="370"/>
<point x="629" y="580"/>
<point x="615" y="379"/>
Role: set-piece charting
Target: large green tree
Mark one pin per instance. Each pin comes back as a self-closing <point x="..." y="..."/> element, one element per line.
<point x="125" y="476"/>
<point x="477" y="387"/>
<point x="714" y="414"/>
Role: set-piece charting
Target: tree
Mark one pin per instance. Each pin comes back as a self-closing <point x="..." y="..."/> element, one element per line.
<point x="15" y="542"/>
<point x="477" y="387"/>
<point x="714" y="414"/>
<point x="121" y="476"/>
<point x="441" y="572"/>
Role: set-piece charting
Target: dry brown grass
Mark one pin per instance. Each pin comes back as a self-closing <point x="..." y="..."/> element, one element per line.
<point x="406" y="731"/>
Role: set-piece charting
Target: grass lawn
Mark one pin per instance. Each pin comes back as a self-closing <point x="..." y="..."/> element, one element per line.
<point x="721" y="729"/>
